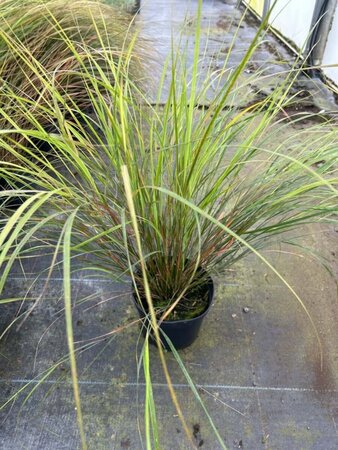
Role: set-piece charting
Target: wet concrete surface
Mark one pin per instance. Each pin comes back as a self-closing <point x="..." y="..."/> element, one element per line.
<point x="226" y="33"/>
<point x="257" y="362"/>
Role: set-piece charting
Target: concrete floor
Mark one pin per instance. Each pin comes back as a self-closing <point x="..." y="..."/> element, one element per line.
<point x="258" y="372"/>
<point x="221" y="21"/>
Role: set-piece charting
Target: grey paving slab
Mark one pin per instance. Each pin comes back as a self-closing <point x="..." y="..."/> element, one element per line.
<point x="289" y="424"/>
<point x="162" y="20"/>
<point x="256" y="370"/>
<point x="103" y="308"/>
<point x="49" y="421"/>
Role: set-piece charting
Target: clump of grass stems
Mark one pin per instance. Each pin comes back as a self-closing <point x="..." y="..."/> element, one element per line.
<point x="169" y="188"/>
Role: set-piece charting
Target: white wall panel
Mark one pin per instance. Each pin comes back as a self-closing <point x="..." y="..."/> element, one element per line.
<point x="331" y="51"/>
<point x="293" y="19"/>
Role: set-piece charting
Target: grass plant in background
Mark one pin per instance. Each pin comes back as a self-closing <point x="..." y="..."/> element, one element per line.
<point x="58" y="34"/>
<point x="156" y="193"/>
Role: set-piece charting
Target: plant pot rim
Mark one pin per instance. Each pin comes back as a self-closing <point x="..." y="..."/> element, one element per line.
<point x="211" y="290"/>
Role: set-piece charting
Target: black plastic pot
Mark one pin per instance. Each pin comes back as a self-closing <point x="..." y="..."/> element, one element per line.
<point x="182" y="333"/>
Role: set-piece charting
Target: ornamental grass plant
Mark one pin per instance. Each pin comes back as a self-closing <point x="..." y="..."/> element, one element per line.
<point x="154" y="193"/>
<point x="205" y="185"/>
